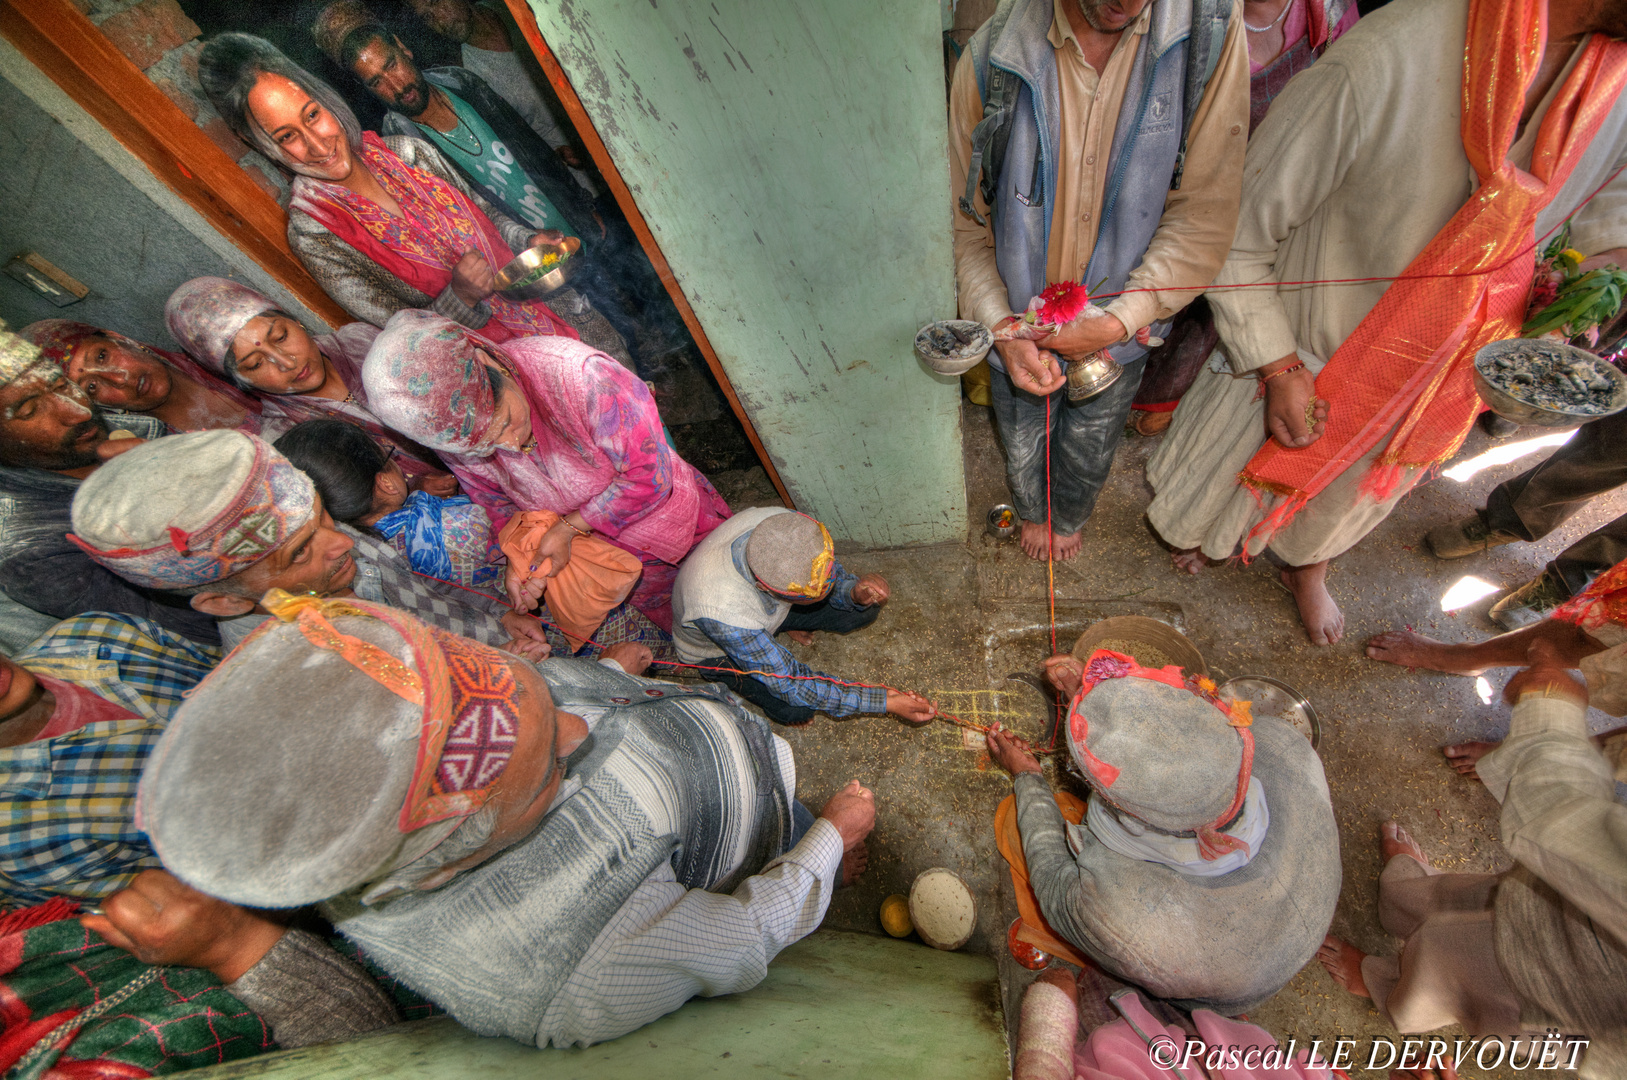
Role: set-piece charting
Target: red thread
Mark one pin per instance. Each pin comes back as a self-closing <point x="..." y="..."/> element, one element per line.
<point x="1516" y="256"/>
<point x="947" y="716"/>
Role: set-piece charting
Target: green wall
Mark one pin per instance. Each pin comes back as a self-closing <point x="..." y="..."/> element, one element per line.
<point x="790" y="157"/>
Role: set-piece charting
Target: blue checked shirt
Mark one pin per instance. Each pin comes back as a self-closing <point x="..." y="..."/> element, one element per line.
<point x="66" y="804"/>
<point x="772" y="664"/>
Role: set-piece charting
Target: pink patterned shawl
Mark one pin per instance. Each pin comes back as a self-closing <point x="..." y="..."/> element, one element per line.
<point x="439" y="225"/>
<point x="600" y="445"/>
<point x="206" y="314"/>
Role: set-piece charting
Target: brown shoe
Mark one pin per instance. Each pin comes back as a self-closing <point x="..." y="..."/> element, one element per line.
<point x="1468" y="536"/>
<point x="1529" y="604"/>
<point x="1148" y="424"/>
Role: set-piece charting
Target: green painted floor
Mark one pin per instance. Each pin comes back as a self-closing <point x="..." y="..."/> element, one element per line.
<point x="833" y="1005"/>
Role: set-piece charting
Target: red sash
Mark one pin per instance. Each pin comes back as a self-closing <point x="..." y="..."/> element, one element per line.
<point x="1406" y="366"/>
<point x="438" y="225"/>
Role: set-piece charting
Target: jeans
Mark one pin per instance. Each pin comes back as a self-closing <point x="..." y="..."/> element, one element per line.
<point x="1542" y="498"/>
<point x="820" y="616"/>
<point x="802" y="819"/>
<point x="1083" y="435"/>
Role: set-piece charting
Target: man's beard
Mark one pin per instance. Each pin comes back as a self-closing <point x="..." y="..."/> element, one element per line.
<point x="1092" y="11"/>
<point x="69" y="455"/>
<point x="421" y="87"/>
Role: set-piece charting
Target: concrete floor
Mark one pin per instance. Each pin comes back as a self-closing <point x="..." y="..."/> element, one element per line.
<point x="965" y="616"/>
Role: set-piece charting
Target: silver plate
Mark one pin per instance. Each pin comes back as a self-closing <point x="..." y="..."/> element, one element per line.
<point x="1275" y="698"/>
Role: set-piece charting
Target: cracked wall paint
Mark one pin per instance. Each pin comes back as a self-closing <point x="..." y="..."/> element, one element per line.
<point x="791" y="160"/>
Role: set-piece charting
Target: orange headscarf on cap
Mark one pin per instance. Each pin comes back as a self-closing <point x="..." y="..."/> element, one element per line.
<point x="457" y="682"/>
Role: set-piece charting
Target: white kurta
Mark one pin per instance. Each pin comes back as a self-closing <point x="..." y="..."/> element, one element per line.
<point x="1355" y="169"/>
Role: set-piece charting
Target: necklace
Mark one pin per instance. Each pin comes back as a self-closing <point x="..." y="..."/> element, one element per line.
<point x="529" y="445"/>
<point x="480" y="147"/>
<point x="1272" y="25"/>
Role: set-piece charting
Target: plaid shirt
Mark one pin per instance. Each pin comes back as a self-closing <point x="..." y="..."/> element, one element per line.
<point x="66" y="803"/>
<point x="126" y="659"/>
<point x="770" y="663"/>
<point x="383" y="576"/>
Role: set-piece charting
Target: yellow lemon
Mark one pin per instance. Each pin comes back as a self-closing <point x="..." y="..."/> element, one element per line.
<point x="895" y="915"/>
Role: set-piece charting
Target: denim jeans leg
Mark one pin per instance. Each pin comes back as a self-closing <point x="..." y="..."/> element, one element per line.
<point x="832" y="620"/>
<point x="775" y="707"/>
<point x="1019" y="417"/>
<point x="1082" y="449"/>
<point x="802" y="819"/>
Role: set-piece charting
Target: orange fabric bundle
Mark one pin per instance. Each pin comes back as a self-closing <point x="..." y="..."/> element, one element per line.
<point x="599" y="576"/>
<point x="1008" y="838"/>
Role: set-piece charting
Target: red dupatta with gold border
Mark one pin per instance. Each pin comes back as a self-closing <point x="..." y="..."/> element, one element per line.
<point x="439" y="224"/>
<point x="1406" y="367"/>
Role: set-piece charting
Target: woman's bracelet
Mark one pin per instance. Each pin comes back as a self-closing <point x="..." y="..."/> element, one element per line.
<point x="1297" y="366"/>
<point x="574" y="529"/>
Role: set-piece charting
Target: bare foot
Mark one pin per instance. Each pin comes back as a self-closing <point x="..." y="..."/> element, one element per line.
<point x="1324" y="622"/>
<point x="1464" y="756"/>
<point x="1038" y="542"/>
<point x="1413" y="650"/>
<point x="1393" y="840"/>
<point x="801" y="637"/>
<point x="1343" y="961"/>
<point x="855" y="863"/>
<point x="1191" y="560"/>
<point x="1035" y="540"/>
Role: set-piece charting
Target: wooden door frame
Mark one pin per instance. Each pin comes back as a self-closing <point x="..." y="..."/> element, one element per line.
<point x="61" y="41"/>
<point x="73" y="52"/>
<point x="583" y="124"/>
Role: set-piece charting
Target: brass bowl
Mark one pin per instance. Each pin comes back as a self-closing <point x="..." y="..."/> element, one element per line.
<point x="1524" y="412"/>
<point x="1152" y="635"/>
<point x="1092" y="375"/>
<point x="515" y="281"/>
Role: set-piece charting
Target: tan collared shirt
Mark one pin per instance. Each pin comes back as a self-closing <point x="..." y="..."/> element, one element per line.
<point x="1195" y="233"/>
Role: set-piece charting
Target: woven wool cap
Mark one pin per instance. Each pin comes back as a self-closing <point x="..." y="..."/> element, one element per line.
<point x="335" y="22"/>
<point x="280" y="780"/>
<point x="791" y="555"/>
<point x="341" y="741"/>
<point x="1177" y="755"/>
<point x="205" y="315"/>
<point x="190" y="509"/>
<point x="17" y="355"/>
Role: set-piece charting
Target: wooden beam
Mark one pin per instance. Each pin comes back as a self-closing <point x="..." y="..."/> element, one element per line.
<point x="624" y="198"/>
<point x="69" y="48"/>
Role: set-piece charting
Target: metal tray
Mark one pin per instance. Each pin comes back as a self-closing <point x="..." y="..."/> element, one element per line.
<point x="1273" y="697"/>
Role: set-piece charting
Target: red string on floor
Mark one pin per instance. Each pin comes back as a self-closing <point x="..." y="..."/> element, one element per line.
<point x="947" y="717"/>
